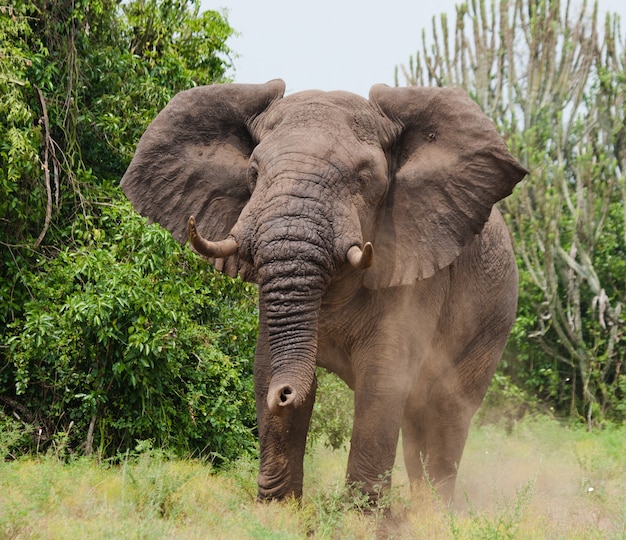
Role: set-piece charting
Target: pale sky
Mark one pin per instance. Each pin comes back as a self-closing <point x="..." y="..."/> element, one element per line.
<point x="335" y="44"/>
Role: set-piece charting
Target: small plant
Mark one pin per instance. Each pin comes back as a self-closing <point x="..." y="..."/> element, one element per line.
<point x="155" y="486"/>
<point x="505" y="521"/>
<point x="336" y="507"/>
<point x="243" y="473"/>
<point x="13" y="437"/>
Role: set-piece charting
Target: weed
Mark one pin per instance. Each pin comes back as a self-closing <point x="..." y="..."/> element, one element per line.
<point x="243" y="474"/>
<point x="506" y="518"/>
<point x="12" y="436"/>
<point x="155" y="481"/>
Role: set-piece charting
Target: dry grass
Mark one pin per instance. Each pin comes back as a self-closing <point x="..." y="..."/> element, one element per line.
<point x="542" y="481"/>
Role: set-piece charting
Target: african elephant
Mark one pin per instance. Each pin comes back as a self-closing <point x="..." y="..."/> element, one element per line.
<point x="370" y="229"/>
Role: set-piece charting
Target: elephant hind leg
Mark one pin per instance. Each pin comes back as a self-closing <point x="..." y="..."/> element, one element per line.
<point x="433" y="438"/>
<point x="438" y="414"/>
<point x="452" y="382"/>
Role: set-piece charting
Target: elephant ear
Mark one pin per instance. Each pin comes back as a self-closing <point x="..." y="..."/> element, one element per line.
<point x="449" y="167"/>
<point x="193" y="159"/>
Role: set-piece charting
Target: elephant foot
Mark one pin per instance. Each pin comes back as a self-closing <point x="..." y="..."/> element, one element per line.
<point x="279" y="492"/>
<point x="391" y="526"/>
<point x="265" y="497"/>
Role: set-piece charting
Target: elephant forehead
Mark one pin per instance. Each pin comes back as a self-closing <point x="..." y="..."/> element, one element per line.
<point x="339" y="98"/>
<point x="338" y="113"/>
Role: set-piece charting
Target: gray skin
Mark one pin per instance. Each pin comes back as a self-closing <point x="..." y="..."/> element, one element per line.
<point x="370" y="229"/>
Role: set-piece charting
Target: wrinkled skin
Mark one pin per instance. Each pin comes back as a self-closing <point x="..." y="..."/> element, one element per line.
<point x="282" y="190"/>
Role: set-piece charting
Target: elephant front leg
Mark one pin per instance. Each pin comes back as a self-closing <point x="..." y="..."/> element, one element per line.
<point x="282" y="444"/>
<point x="282" y="438"/>
<point x="371" y="462"/>
<point x="379" y="402"/>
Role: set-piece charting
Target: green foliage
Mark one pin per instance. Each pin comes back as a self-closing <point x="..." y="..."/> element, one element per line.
<point x="333" y="411"/>
<point x="20" y="134"/>
<point x="134" y="337"/>
<point x="20" y="142"/>
<point x="167" y="47"/>
<point x="80" y="81"/>
<point x="13" y="438"/>
<point x="109" y="331"/>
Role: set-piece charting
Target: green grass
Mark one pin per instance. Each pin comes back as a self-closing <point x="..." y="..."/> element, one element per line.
<point x="543" y="480"/>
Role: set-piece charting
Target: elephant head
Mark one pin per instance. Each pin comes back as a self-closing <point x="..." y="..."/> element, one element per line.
<point x="293" y="192"/>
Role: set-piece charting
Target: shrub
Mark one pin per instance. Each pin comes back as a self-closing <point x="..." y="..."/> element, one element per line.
<point x="132" y="337"/>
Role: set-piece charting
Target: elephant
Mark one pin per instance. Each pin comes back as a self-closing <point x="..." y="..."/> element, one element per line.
<point x="370" y="228"/>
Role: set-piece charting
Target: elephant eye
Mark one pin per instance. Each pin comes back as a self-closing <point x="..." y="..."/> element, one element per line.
<point x="364" y="178"/>
<point x="253" y="174"/>
<point x="430" y="134"/>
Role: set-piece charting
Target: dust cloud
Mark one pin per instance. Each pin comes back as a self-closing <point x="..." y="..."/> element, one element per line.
<point x="556" y="481"/>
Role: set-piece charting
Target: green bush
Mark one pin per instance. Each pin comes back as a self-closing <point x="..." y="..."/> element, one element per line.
<point x="109" y="331"/>
<point x="13" y="436"/>
<point x="132" y="337"/>
<point x="333" y="411"/>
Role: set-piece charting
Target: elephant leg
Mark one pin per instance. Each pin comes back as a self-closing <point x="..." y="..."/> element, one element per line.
<point x="454" y="378"/>
<point x="378" y="406"/>
<point x="433" y="438"/>
<point x="437" y="417"/>
<point x="282" y="444"/>
<point x="372" y="452"/>
<point x="282" y="438"/>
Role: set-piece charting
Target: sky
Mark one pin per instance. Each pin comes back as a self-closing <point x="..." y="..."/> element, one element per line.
<point x="334" y="44"/>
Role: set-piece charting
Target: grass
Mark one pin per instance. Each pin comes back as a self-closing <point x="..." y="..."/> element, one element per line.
<point x="543" y="480"/>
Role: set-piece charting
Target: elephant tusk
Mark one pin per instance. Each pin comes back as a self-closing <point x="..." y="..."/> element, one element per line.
<point x="361" y="259"/>
<point x="218" y="250"/>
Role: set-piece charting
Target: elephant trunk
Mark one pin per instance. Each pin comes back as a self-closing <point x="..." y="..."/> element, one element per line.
<point x="295" y="259"/>
<point x="292" y="328"/>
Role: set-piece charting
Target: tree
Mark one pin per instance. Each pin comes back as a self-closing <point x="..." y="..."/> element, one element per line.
<point x="110" y="332"/>
<point x="553" y="80"/>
